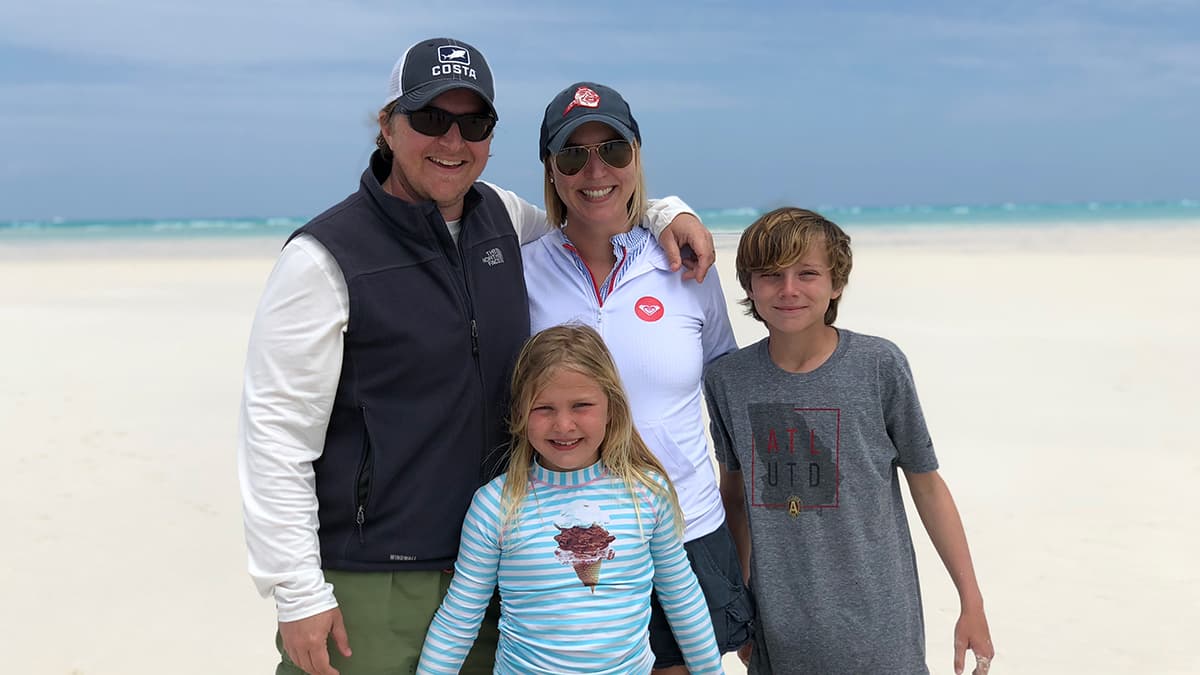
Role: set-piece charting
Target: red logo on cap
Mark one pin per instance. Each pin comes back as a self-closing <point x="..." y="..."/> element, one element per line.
<point x="648" y="308"/>
<point x="584" y="97"/>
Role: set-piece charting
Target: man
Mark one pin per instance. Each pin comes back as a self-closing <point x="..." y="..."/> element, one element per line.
<point x="377" y="375"/>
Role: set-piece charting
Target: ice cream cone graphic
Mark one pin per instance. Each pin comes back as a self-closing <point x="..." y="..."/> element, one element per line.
<point x="583" y="543"/>
<point x="589" y="573"/>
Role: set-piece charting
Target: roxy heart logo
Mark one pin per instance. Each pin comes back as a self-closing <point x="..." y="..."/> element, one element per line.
<point x="648" y="308"/>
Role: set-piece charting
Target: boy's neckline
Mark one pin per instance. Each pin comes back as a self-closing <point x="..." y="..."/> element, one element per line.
<point x="803" y="358"/>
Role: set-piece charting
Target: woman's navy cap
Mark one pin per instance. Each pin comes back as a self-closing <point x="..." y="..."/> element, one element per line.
<point x="579" y="104"/>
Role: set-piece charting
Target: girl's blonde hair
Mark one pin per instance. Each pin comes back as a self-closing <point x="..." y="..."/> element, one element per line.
<point x="623" y="452"/>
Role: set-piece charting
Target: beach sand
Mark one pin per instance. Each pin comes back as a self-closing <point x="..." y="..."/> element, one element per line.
<point x="1057" y="369"/>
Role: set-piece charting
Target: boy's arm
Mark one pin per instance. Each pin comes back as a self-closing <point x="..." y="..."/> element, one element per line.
<point x="733" y="491"/>
<point x="940" y="516"/>
<point x="669" y="219"/>
<point x="733" y="495"/>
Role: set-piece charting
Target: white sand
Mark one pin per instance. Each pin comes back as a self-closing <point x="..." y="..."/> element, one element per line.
<point x="1058" y="372"/>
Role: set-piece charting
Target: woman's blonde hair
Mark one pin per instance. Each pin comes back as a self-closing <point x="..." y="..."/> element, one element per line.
<point x="623" y="452"/>
<point x="635" y="210"/>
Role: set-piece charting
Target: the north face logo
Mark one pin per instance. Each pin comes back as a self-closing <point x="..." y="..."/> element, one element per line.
<point x="494" y="257"/>
<point x="648" y="308"/>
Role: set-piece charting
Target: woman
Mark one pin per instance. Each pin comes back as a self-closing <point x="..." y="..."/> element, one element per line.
<point x="602" y="268"/>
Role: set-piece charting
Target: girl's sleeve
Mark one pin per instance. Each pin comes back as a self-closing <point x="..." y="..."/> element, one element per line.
<point x="680" y="595"/>
<point x="456" y="624"/>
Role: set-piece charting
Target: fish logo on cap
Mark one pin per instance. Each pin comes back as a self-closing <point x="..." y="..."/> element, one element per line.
<point x="454" y="54"/>
<point x="586" y="97"/>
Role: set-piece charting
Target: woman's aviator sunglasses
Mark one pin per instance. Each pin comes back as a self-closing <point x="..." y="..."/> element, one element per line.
<point x="571" y="160"/>
<point x="431" y="121"/>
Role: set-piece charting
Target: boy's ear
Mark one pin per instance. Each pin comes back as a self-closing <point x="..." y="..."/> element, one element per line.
<point x="837" y="293"/>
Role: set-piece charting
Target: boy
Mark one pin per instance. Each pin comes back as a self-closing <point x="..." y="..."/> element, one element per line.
<point x="810" y="426"/>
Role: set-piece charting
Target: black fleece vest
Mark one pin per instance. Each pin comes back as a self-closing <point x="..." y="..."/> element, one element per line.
<point x="419" y="420"/>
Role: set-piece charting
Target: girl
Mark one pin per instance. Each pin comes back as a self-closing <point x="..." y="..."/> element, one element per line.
<point x="576" y="533"/>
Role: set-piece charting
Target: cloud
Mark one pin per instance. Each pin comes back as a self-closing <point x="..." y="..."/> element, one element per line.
<point x="169" y="33"/>
<point x="1041" y="43"/>
<point x="1030" y="62"/>
<point x="230" y="90"/>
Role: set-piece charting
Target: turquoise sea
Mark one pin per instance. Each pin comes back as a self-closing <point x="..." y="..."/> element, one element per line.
<point x="730" y="220"/>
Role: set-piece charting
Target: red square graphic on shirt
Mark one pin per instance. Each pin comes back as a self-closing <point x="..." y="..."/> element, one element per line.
<point x="795" y="457"/>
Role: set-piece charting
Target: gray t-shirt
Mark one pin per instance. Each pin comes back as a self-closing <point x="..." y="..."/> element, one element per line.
<point x="832" y="568"/>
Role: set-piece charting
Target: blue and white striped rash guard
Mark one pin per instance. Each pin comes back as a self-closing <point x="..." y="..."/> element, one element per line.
<point x="574" y="609"/>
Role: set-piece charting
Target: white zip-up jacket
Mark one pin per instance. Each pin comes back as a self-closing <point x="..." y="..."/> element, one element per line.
<point x="662" y="331"/>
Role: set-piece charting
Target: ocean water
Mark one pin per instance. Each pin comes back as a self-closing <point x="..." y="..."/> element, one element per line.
<point x="730" y="220"/>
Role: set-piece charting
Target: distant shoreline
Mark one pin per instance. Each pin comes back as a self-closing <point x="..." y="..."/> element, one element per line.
<point x="1065" y="237"/>
<point x="1039" y="215"/>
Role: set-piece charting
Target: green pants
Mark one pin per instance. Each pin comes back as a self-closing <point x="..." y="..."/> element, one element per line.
<point x="387" y="615"/>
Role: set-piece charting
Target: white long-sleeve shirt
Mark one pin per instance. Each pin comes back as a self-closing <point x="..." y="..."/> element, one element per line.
<point x="293" y="364"/>
<point x="662" y="331"/>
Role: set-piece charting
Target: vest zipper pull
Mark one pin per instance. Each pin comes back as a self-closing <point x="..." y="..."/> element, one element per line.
<point x="360" y="519"/>
<point x="474" y="338"/>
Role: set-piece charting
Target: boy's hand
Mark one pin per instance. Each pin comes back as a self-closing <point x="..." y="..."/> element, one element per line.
<point x="306" y="641"/>
<point x="687" y="230"/>
<point x="971" y="632"/>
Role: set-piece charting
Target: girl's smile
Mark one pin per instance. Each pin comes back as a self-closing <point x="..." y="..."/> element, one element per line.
<point x="568" y="420"/>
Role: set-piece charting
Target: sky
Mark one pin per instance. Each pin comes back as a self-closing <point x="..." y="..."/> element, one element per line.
<point x="260" y="108"/>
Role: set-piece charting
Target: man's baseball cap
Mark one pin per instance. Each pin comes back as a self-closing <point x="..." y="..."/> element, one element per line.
<point x="432" y="67"/>
<point x="578" y="104"/>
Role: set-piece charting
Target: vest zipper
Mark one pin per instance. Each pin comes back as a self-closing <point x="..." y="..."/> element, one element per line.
<point x="362" y="481"/>
<point x="470" y="307"/>
<point x="462" y="270"/>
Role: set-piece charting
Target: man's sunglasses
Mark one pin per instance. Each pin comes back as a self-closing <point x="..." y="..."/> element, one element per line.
<point x="432" y="121"/>
<point x="571" y="160"/>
